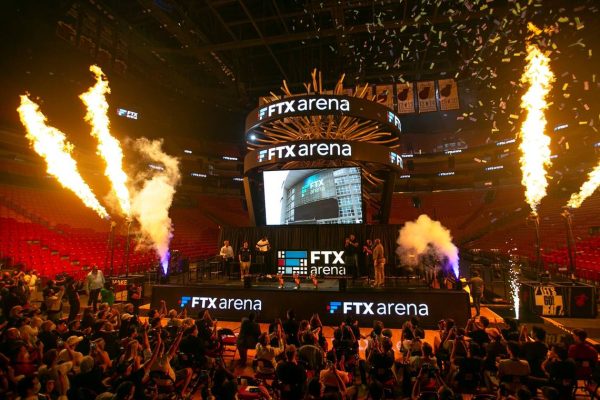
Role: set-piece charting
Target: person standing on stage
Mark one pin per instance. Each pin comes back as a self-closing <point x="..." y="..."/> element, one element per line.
<point x="351" y="254"/>
<point x="94" y="282"/>
<point x="244" y="257"/>
<point x="226" y="251"/>
<point x="379" y="263"/>
<point x="263" y="247"/>
<point x="367" y="252"/>
<point x="477" y="286"/>
<point x="227" y="255"/>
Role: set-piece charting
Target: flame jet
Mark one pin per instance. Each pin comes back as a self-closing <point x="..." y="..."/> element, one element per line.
<point x="109" y="147"/>
<point x="535" y="145"/>
<point x="587" y="189"/>
<point x="52" y="145"/>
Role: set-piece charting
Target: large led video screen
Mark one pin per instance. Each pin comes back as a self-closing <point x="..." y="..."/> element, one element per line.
<point x="313" y="196"/>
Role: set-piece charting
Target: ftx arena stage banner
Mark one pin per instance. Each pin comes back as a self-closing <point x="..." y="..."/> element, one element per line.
<point x="390" y="307"/>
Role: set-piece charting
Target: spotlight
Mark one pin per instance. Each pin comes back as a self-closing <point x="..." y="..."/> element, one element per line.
<point x="253" y="137"/>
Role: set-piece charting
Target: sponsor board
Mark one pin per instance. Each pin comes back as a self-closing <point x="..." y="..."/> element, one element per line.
<point x="307" y="150"/>
<point x="317" y="262"/>
<point x="392" y="307"/>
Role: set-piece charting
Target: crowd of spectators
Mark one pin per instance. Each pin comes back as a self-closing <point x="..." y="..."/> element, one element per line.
<point x="109" y="351"/>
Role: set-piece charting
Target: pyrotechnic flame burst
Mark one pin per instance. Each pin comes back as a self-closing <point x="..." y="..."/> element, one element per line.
<point x="535" y="145"/>
<point x="51" y="144"/>
<point x="587" y="189"/>
<point x="109" y="148"/>
<point x="514" y="286"/>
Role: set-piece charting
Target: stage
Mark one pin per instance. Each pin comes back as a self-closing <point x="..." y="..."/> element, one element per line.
<point x="391" y="305"/>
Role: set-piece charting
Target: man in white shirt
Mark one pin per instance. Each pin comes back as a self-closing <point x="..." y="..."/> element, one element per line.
<point x="94" y="282"/>
<point x="262" y="254"/>
<point x="226" y="251"/>
<point x="263" y="245"/>
<point x="31" y="279"/>
<point x="227" y="255"/>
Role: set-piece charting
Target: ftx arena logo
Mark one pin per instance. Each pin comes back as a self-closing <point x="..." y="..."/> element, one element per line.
<point x="289" y="151"/>
<point x="394" y="120"/>
<point x="221" y="303"/>
<point x="303" y="262"/>
<point x="373" y="308"/>
<point x="310" y="104"/>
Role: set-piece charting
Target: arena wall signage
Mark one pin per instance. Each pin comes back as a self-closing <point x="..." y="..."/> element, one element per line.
<point x="322" y="149"/>
<point x="391" y="307"/>
<point x="307" y="105"/>
<point x="309" y="150"/>
<point x="330" y="104"/>
<point x="328" y="263"/>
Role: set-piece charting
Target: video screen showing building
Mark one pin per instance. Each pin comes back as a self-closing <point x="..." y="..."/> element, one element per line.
<point x="313" y="196"/>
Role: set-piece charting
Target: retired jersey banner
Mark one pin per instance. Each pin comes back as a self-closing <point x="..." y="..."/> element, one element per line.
<point x="426" y="95"/>
<point x="385" y="95"/>
<point x="405" y="97"/>
<point x="448" y="92"/>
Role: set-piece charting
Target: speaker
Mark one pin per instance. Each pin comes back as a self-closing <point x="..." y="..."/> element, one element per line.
<point x="247" y="282"/>
<point x="342" y="284"/>
<point x="410" y="164"/>
<point x="416" y="202"/>
<point x="451" y="163"/>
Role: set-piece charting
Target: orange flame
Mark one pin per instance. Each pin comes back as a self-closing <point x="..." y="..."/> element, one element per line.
<point x="535" y="145"/>
<point x="109" y="148"/>
<point x="51" y="144"/>
<point x="587" y="189"/>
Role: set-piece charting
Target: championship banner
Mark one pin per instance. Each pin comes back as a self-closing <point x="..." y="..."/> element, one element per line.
<point x="385" y="95"/>
<point x="448" y="92"/>
<point x="426" y="93"/>
<point x="406" y="97"/>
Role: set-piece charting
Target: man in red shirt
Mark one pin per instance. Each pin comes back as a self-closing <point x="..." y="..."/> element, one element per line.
<point x="583" y="353"/>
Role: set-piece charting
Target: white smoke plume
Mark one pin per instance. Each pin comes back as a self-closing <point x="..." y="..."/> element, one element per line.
<point x="426" y="237"/>
<point x="153" y="195"/>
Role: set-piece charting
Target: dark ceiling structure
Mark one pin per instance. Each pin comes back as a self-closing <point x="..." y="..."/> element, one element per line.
<point x="251" y="46"/>
<point x="225" y="54"/>
<point x="244" y="49"/>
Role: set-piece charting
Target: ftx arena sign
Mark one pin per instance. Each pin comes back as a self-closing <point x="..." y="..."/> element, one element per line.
<point x="305" y="150"/>
<point x="309" y="104"/>
<point x="392" y="307"/>
<point x="317" y="262"/>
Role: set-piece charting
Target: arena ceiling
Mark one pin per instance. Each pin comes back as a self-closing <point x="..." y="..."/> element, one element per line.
<point x="247" y="47"/>
<point x="212" y="59"/>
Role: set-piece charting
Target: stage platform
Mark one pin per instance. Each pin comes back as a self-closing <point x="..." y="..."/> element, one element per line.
<point x="392" y="305"/>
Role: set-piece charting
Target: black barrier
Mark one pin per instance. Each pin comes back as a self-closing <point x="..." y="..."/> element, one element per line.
<point x="119" y="285"/>
<point x="575" y="300"/>
<point x="390" y="307"/>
